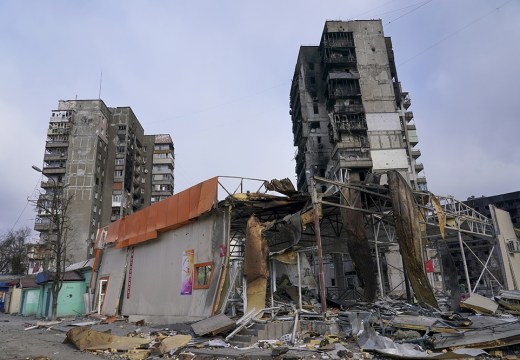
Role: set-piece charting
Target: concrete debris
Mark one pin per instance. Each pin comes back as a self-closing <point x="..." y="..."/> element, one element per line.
<point x="172" y="344"/>
<point x="509" y="299"/>
<point x="383" y="329"/>
<point x="480" y="304"/>
<point x="370" y="340"/>
<point x="214" y="325"/>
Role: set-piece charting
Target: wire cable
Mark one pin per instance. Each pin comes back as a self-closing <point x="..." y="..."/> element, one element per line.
<point x="27" y="203"/>
<point x="455" y="33"/>
<point x="409" y="12"/>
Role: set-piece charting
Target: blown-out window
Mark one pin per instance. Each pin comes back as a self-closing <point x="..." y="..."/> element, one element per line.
<point x="202" y="274"/>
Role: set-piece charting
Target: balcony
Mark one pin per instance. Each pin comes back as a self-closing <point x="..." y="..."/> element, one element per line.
<point x="419" y="167"/>
<point x="167" y="161"/>
<point x="351" y="125"/>
<point x="56" y="144"/>
<point x="412" y="137"/>
<point x="416" y="153"/>
<point x="408" y="116"/>
<point x="42" y="224"/>
<point x="352" y="157"/>
<point x="161" y="193"/>
<point x="50" y="184"/>
<point x="407" y="101"/>
<point x="341" y="92"/>
<point x="55" y="156"/>
<point x="58" y="131"/>
<point x="340" y="59"/>
<point x="348" y="109"/>
<point x="411" y="127"/>
<point x="49" y="170"/>
<point x="338" y="43"/>
<point x="350" y="75"/>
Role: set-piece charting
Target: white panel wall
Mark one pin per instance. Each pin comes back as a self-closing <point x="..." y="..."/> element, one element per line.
<point x="510" y="261"/>
<point x="389" y="159"/>
<point x="156" y="274"/>
<point x="383" y="121"/>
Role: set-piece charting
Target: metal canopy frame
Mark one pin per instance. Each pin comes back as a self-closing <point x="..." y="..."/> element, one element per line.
<point x="443" y="217"/>
<point x="459" y="219"/>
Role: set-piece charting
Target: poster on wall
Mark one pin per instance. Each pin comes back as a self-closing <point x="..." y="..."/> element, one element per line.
<point x="187" y="272"/>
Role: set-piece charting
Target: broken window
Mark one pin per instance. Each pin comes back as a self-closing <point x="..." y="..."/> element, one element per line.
<point x="315" y="125"/>
<point x="203" y="273"/>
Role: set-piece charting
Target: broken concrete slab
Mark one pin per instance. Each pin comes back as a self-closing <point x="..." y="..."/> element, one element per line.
<point x="370" y="340"/>
<point x="480" y="304"/>
<point x="423" y="323"/>
<point x="487" y="337"/>
<point x="213" y="325"/>
<point x="509" y="299"/>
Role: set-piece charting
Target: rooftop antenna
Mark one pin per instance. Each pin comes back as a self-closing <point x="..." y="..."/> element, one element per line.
<point x="100" y="82"/>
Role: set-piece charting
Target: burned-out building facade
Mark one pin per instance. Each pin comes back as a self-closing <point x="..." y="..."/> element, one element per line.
<point x="350" y="116"/>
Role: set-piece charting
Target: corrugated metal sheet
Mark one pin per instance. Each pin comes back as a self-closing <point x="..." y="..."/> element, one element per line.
<point x="169" y="214"/>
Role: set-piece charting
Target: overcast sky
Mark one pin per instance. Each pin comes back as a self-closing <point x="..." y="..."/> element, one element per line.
<point x="216" y="76"/>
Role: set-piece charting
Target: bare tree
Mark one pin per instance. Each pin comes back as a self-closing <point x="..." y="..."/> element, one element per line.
<point x="53" y="206"/>
<point x="13" y="251"/>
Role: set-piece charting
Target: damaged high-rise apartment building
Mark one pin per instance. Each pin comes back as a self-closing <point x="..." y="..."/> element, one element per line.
<point x="349" y="114"/>
<point x="352" y="128"/>
<point x="351" y="124"/>
<point x="103" y="159"/>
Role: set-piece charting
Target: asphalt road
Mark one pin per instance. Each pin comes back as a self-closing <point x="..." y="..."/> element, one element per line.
<point x="17" y="343"/>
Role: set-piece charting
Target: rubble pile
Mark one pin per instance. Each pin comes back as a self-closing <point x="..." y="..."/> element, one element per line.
<point x="380" y="330"/>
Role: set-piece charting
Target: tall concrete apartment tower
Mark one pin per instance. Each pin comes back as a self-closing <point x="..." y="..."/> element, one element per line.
<point x="349" y="114"/>
<point x="101" y="156"/>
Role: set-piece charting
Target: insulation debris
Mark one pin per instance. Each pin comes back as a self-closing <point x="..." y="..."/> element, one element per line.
<point x="408" y="233"/>
<point x="256" y="268"/>
<point x="85" y="338"/>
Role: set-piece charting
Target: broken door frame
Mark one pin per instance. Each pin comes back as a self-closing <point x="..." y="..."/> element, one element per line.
<point x="100" y="294"/>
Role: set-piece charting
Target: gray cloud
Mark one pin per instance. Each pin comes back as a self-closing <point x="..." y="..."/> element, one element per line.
<point x="217" y="76"/>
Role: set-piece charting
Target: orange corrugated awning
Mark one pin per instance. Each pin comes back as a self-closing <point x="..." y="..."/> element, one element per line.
<point x="169" y="214"/>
